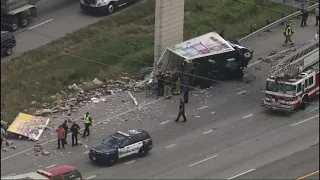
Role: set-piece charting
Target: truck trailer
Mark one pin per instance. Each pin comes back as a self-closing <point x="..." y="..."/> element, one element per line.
<point x="17" y="14"/>
<point x="206" y="58"/>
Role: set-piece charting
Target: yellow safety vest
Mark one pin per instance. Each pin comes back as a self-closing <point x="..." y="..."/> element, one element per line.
<point x="86" y="119"/>
<point x="288" y="31"/>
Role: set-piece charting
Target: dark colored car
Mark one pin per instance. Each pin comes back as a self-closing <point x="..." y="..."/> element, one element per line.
<point x="120" y="145"/>
<point x="8" y="42"/>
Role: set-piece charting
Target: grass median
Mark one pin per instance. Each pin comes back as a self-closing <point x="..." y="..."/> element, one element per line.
<point x="122" y="41"/>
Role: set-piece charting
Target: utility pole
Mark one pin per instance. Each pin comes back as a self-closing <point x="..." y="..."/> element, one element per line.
<point x="169" y="20"/>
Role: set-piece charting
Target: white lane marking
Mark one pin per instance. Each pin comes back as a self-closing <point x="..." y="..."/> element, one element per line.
<point x="170" y="146"/>
<point x="50" y="166"/>
<point x="91" y="177"/>
<point x="247" y="116"/>
<point x="304" y="120"/>
<point x="202" y="160"/>
<point x="212" y="112"/>
<point x="254" y="63"/>
<point x="164" y="122"/>
<point x="12" y="174"/>
<point x="87" y="152"/>
<point x="203" y="107"/>
<point x="207" y="132"/>
<point x="130" y="162"/>
<point x="40" y="24"/>
<point x="126" y="112"/>
<point x="311" y="110"/>
<point x="241" y="174"/>
<point x="241" y="92"/>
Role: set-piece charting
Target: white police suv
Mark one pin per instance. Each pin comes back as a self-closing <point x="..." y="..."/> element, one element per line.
<point x="120" y="145"/>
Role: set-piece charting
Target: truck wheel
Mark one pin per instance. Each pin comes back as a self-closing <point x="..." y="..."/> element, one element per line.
<point x="304" y="102"/>
<point x="14" y="25"/>
<point x="24" y="22"/>
<point x="23" y="19"/>
<point x="110" y="8"/>
<point x="8" y="51"/>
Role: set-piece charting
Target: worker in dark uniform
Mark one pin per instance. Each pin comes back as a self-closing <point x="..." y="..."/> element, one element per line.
<point x="186" y="94"/>
<point x="74" y="130"/>
<point x="87" y="122"/>
<point x="181" y="112"/>
<point x="66" y="128"/>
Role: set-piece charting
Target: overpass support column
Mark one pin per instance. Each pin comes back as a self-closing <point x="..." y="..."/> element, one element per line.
<point x="169" y="19"/>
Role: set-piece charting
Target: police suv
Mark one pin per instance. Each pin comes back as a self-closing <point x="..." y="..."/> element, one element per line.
<point x="120" y="145"/>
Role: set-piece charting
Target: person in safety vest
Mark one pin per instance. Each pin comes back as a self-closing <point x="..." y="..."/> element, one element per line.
<point x="87" y="122"/>
<point x="288" y="34"/>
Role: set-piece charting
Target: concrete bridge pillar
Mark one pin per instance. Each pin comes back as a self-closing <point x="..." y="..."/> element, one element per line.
<point x="169" y="20"/>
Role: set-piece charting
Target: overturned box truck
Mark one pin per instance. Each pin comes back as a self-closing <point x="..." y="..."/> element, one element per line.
<point x="17" y="13"/>
<point x="206" y="58"/>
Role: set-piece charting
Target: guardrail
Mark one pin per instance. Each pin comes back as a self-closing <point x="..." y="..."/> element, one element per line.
<point x="276" y="23"/>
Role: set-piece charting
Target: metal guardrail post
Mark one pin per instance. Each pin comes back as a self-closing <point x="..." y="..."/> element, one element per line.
<point x="276" y="23"/>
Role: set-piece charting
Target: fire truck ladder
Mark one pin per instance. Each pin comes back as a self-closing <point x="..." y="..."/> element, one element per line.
<point x="295" y="63"/>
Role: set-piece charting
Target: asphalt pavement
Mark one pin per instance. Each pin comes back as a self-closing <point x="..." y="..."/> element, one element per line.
<point x="55" y="20"/>
<point x="303" y="164"/>
<point x="227" y="132"/>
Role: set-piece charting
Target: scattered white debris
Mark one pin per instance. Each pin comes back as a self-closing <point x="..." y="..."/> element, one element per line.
<point x="133" y="98"/>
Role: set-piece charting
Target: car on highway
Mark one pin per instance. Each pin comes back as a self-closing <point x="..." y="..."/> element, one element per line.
<point x="8" y="42"/>
<point x="59" y="172"/>
<point x="103" y="6"/>
<point x="120" y="145"/>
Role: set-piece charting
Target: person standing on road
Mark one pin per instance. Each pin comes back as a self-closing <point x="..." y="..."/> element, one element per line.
<point x="304" y="18"/>
<point x="74" y="130"/>
<point x="317" y="16"/>
<point x="87" y="123"/>
<point x="181" y="111"/>
<point x="66" y="129"/>
<point x="61" y="136"/>
<point x="288" y="32"/>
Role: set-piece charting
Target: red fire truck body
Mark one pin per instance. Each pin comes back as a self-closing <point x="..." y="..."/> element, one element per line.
<point x="291" y="94"/>
<point x="289" y="89"/>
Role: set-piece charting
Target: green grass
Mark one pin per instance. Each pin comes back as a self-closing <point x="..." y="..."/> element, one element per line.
<point x="122" y="41"/>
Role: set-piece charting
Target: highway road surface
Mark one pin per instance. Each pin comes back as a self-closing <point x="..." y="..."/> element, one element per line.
<point x="227" y="134"/>
<point x="55" y="20"/>
<point x="300" y="165"/>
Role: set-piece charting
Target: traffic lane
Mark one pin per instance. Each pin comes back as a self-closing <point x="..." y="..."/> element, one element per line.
<point x="65" y="19"/>
<point x="114" y="105"/>
<point x="294" y="166"/>
<point x="267" y="42"/>
<point x="250" y="154"/>
<point x="189" y="148"/>
<point x="186" y="147"/>
<point x="47" y="10"/>
<point x="136" y="119"/>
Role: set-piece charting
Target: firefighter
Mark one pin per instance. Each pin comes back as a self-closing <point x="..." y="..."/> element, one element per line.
<point x="74" y="130"/>
<point x="181" y="111"/>
<point x="288" y="32"/>
<point x="87" y="122"/>
<point x="66" y="128"/>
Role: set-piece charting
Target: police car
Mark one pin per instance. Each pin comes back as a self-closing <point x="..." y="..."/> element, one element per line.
<point x="120" y="145"/>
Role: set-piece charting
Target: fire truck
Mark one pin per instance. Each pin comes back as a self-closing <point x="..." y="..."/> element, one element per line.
<point x="294" y="80"/>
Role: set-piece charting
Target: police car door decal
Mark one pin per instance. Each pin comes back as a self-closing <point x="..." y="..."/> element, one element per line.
<point x="129" y="150"/>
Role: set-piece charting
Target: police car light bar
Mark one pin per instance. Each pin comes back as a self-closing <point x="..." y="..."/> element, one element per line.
<point x="122" y="133"/>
